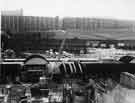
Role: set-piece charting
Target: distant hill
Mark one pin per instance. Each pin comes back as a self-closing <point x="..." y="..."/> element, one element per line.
<point x="94" y="35"/>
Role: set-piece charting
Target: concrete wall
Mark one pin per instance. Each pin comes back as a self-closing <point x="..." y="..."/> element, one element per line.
<point x="127" y="80"/>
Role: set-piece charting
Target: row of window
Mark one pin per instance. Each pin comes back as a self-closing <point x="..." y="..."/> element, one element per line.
<point x="31" y="23"/>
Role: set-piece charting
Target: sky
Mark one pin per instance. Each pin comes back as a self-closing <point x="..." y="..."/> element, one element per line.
<point x="119" y="9"/>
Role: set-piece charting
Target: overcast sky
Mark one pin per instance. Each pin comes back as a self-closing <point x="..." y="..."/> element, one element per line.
<point x="120" y="9"/>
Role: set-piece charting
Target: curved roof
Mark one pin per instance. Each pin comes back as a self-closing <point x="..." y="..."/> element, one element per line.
<point x="36" y="60"/>
<point x="127" y="59"/>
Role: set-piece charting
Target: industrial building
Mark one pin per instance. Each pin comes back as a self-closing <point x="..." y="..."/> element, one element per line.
<point x="66" y="60"/>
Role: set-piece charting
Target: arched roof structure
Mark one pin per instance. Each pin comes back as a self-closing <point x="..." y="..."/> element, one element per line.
<point x="36" y="60"/>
